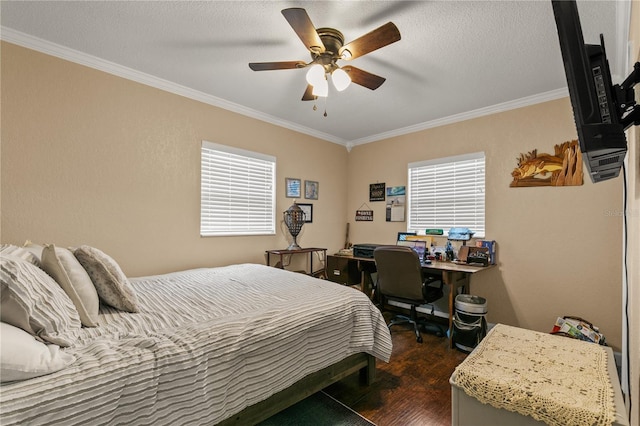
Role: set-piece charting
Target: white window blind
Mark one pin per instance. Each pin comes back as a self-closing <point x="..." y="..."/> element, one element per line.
<point x="446" y="193"/>
<point x="237" y="191"/>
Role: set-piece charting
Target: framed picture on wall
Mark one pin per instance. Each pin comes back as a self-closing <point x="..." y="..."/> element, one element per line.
<point x="311" y="189"/>
<point x="396" y="200"/>
<point x="293" y="187"/>
<point x="376" y="192"/>
<point x="308" y="212"/>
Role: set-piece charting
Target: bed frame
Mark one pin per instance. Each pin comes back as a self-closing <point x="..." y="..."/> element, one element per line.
<point x="362" y="362"/>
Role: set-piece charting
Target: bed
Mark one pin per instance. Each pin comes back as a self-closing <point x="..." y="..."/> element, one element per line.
<point x="227" y="345"/>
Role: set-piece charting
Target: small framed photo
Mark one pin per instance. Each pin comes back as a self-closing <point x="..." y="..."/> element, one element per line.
<point x="308" y="212"/>
<point x="311" y="189"/>
<point x="293" y="187"/>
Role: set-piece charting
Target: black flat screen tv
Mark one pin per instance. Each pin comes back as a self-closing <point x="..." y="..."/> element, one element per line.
<point x="600" y="133"/>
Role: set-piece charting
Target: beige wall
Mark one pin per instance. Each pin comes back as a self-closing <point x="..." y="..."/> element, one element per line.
<point x="90" y="158"/>
<point x="559" y="249"/>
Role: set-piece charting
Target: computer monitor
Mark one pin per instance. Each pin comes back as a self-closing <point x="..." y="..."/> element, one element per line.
<point x="402" y="236"/>
<point x="600" y="114"/>
<point x="420" y="247"/>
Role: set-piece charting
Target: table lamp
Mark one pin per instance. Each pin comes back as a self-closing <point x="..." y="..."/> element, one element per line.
<point x="294" y="219"/>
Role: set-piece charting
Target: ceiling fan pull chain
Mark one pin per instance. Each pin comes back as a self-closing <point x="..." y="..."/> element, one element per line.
<point x="325" y="106"/>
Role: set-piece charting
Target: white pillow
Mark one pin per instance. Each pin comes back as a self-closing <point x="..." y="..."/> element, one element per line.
<point x="34" y="302"/>
<point x="19" y="252"/>
<point x="23" y="357"/>
<point x="63" y="266"/>
<point x="110" y="282"/>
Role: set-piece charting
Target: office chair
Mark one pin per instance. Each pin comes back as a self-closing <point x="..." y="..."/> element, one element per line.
<point x="400" y="278"/>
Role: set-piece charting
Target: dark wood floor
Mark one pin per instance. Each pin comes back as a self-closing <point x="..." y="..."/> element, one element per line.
<point x="412" y="389"/>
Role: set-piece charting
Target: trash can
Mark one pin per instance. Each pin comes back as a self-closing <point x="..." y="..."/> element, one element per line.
<point x="469" y="323"/>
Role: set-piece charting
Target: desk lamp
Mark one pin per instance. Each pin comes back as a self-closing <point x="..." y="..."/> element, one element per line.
<point x="294" y="219"/>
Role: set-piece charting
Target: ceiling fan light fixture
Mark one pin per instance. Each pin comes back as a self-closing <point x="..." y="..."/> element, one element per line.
<point x="315" y="75"/>
<point x="340" y="79"/>
<point x="321" y="89"/>
<point x="326" y="46"/>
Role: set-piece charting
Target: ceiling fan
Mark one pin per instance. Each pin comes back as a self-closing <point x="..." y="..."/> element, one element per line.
<point x="326" y="46"/>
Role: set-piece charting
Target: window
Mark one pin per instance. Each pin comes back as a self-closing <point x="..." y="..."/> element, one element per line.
<point x="237" y="191"/>
<point x="446" y="193"/>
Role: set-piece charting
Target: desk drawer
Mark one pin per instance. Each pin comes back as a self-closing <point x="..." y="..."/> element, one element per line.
<point x="342" y="270"/>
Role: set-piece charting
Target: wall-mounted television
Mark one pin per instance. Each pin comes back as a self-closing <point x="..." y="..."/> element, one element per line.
<point x="601" y="110"/>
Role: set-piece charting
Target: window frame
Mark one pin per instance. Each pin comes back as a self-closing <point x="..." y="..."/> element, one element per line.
<point x="263" y="169"/>
<point x="416" y="210"/>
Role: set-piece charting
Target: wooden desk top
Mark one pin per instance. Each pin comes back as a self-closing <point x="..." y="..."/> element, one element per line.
<point x="457" y="267"/>
<point x="441" y="266"/>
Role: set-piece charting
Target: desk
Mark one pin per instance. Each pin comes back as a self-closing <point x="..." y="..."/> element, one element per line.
<point x="322" y="252"/>
<point x="454" y="275"/>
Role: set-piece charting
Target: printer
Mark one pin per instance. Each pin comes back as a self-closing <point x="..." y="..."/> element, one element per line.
<point x="364" y="250"/>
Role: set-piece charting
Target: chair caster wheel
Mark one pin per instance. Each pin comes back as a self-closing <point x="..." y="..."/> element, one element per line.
<point x="419" y="339"/>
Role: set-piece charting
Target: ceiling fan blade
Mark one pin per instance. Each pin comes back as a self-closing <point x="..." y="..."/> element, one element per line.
<point x="380" y="37"/>
<point x="268" y="66"/>
<point x="364" y="78"/>
<point x="308" y="94"/>
<point x="302" y="25"/>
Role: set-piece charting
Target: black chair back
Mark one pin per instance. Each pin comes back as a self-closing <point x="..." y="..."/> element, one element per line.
<point x="399" y="273"/>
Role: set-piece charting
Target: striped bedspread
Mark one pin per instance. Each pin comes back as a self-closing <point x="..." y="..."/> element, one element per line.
<point x="206" y="344"/>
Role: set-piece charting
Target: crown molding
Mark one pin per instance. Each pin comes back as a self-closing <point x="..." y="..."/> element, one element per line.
<point x="480" y="112"/>
<point x="25" y="40"/>
<point x="53" y="49"/>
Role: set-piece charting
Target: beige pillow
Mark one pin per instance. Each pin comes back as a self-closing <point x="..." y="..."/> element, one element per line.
<point x="63" y="266"/>
<point x="110" y="282"/>
<point x="34" y="302"/>
<point x="23" y="357"/>
<point x="35" y="249"/>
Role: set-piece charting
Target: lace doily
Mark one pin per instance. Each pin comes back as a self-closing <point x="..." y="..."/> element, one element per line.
<point x="553" y="379"/>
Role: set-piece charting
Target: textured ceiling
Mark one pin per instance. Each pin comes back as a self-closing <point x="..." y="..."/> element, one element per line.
<point x="456" y="59"/>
